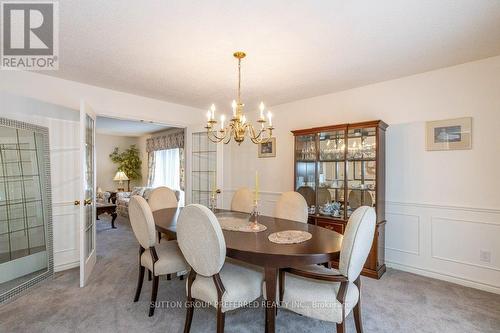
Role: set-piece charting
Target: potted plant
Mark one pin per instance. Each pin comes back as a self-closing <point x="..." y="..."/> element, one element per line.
<point x="129" y="161"/>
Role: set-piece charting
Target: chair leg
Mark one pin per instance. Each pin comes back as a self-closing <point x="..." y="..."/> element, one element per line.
<point x="159" y="237"/>
<point x="340" y="328"/>
<point x="189" y="314"/>
<point x="169" y="277"/>
<point x="357" y="309"/>
<point x="181" y="277"/>
<point x="154" y="293"/>
<point x="139" y="283"/>
<point x="220" y="320"/>
<point x="149" y="275"/>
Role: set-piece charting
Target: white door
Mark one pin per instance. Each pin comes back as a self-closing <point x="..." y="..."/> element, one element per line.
<point x="87" y="196"/>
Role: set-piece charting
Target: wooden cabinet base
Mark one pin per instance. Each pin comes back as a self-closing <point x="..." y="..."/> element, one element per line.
<point x="375" y="263"/>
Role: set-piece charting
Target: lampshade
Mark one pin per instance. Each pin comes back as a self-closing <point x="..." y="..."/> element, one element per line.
<point x="120" y="175"/>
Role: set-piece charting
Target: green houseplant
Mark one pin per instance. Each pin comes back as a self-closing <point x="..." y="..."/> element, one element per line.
<point x="129" y="161"/>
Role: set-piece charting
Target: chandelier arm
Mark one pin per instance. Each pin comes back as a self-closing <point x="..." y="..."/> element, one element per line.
<point x="216" y="139"/>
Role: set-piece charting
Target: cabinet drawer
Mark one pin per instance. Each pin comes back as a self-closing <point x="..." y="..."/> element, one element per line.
<point x="338" y="227"/>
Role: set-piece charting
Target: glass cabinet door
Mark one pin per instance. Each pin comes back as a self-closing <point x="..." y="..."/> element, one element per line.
<point x="305" y="172"/>
<point x="361" y="168"/>
<point x="331" y="169"/>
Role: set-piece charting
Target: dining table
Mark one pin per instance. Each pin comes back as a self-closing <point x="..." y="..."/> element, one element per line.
<point x="255" y="248"/>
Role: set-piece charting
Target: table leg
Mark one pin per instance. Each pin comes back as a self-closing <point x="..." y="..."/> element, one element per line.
<point x="113" y="218"/>
<point x="271" y="276"/>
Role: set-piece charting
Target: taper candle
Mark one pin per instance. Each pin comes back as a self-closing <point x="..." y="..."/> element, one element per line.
<point x="256" y="185"/>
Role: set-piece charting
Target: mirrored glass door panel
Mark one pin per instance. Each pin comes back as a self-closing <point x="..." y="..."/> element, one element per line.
<point x="361" y="168"/>
<point x="203" y="168"/>
<point x="25" y="221"/>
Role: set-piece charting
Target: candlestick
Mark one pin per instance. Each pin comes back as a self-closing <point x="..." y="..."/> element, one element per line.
<point x="261" y="107"/>
<point x="214" y="184"/>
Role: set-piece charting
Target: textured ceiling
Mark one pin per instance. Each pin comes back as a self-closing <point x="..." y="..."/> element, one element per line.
<point x="112" y="126"/>
<point x="181" y="51"/>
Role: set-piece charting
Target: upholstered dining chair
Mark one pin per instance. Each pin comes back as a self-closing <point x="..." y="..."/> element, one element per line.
<point x="291" y="206"/>
<point x="160" y="198"/>
<point x="221" y="284"/>
<point x="336" y="292"/>
<point x="159" y="258"/>
<point x="243" y="200"/>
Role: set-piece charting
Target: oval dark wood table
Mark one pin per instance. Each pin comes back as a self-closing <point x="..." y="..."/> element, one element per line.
<point x="255" y="248"/>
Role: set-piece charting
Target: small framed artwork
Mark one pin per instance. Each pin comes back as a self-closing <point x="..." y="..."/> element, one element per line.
<point x="449" y="134"/>
<point x="267" y="149"/>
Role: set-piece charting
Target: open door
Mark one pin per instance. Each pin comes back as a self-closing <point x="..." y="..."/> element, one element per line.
<point x="87" y="192"/>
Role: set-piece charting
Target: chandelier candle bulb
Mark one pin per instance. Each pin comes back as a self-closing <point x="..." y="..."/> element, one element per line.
<point x="261" y="107"/>
<point x="212" y="108"/>
<point x="222" y="119"/>
<point x="270" y="117"/>
<point x="233" y="105"/>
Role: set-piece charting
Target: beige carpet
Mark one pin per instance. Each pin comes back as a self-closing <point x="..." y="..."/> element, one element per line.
<point x="399" y="302"/>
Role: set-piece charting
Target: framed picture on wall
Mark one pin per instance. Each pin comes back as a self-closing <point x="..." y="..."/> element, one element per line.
<point x="267" y="149"/>
<point x="449" y="134"/>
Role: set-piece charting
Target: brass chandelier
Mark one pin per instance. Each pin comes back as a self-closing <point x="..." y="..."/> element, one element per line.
<point x="238" y="126"/>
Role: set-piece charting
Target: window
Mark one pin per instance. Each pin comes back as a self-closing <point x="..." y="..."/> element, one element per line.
<point x="167" y="169"/>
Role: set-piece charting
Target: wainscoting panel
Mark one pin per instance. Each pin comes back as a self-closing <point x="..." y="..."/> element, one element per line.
<point x="476" y="236"/>
<point x="455" y="243"/>
<point x="404" y="234"/>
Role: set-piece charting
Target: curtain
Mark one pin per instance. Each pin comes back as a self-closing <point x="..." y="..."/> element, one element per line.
<point x="170" y="139"/>
<point x="167" y="141"/>
<point x="167" y="169"/>
<point x="151" y="168"/>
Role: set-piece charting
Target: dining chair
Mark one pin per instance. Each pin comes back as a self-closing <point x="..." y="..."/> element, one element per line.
<point x="159" y="258"/>
<point x="221" y="284"/>
<point x="160" y="198"/>
<point x="335" y="292"/>
<point x="291" y="206"/>
<point x="309" y="194"/>
<point x="243" y="200"/>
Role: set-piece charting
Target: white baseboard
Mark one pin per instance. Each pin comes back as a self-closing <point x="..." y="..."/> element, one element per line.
<point x="65" y="266"/>
<point x="444" y="277"/>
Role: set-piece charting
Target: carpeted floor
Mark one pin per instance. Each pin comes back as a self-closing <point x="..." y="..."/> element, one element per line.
<point x="399" y="302"/>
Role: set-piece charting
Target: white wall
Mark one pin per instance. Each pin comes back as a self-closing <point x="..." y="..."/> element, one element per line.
<point x="443" y="207"/>
<point x="105" y="168"/>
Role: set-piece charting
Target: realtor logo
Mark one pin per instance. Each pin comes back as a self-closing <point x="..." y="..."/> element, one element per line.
<point x="30" y="35"/>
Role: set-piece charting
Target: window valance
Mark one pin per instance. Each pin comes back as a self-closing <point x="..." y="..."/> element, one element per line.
<point x="170" y="139"/>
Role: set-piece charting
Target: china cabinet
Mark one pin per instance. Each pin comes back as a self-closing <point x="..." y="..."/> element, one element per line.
<point x="339" y="168"/>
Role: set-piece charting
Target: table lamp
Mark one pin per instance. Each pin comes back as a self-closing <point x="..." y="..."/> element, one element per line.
<point x="120" y="177"/>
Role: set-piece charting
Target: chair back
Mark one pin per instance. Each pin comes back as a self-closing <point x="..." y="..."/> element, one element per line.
<point x="357" y="242"/>
<point x="141" y="219"/>
<point x="162" y="197"/>
<point x="309" y="194"/>
<point x="201" y="240"/>
<point x="243" y="200"/>
<point x="291" y="206"/>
